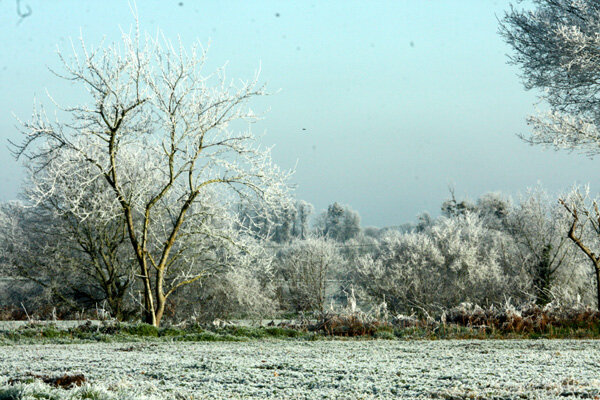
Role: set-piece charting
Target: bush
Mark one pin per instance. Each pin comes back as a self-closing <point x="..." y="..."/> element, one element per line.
<point x="140" y="330"/>
<point x="242" y="289"/>
<point x="553" y="320"/>
<point x="454" y="260"/>
<point x="305" y="268"/>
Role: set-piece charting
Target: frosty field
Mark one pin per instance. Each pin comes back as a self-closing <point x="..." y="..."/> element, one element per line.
<point x="279" y="369"/>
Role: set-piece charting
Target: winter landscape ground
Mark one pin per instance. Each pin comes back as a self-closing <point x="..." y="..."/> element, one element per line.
<point x="276" y="369"/>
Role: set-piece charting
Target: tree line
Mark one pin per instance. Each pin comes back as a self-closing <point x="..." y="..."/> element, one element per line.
<point x="483" y="252"/>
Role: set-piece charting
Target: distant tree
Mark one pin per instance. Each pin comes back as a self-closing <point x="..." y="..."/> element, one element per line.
<point x="287" y="224"/>
<point x="301" y="223"/>
<point x="453" y="208"/>
<point x="494" y="209"/>
<point x="406" y="227"/>
<point x="424" y="221"/>
<point x="372" y="231"/>
<point x="156" y="141"/>
<point x="339" y="223"/>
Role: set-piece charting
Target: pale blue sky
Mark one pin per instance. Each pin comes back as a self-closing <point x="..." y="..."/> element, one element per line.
<point x="399" y="99"/>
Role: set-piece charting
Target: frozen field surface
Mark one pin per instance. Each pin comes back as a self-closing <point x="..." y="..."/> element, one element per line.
<point x="516" y="369"/>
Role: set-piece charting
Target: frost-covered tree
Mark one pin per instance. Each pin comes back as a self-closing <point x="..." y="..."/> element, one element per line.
<point x="538" y="224"/>
<point x="78" y="265"/>
<point x="305" y="269"/>
<point x="454" y="260"/>
<point x="241" y="287"/>
<point x="301" y="224"/>
<point x="556" y="44"/>
<point x="8" y="231"/>
<point x="494" y="209"/>
<point x="452" y="207"/>
<point x="405" y="272"/>
<point x="283" y="226"/>
<point x="478" y="260"/>
<point x="161" y="143"/>
<point x="424" y="221"/>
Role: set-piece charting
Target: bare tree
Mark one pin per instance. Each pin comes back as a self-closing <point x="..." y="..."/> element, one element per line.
<point x="79" y="264"/>
<point x="160" y="142"/>
<point x="585" y="228"/>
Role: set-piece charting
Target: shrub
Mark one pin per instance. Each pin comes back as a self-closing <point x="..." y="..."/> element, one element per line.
<point x="140" y="330"/>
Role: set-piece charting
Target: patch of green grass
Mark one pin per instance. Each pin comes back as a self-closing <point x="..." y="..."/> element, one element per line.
<point x="170" y="331"/>
<point x="88" y="393"/>
<point x="140" y="330"/>
<point x="52" y="332"/>
<point x="208" y="336"/>
<point x="278" y="332"/>
<point x="242" y="331"/>
<point x="535" y="335"/>
<point x="261" y="332"/>
<point x="27" y="333"/>
<point x="43" y="395"/>
<point x="123" y="332"/>
<point x="11" y="393"/>
<point x="385" y="334"/>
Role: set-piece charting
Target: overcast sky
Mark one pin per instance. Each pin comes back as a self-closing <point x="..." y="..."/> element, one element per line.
<point x="379" y="105"/>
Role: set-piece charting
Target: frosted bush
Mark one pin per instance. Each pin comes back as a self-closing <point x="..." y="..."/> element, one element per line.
<point x="233" y="293"/>
<point x="477" y="259"/>
<point x="457" y="259"/>
<point x="240" y="287"/>
<point x="305" y="271"/>
<point x="405" y="271"/>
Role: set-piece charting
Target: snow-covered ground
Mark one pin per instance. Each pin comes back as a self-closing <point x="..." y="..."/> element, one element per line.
<point x="313" y="370"/>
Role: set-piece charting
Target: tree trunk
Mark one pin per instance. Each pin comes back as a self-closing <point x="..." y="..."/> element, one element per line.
<point x="116" y="306"/>
<point x="543" y="277"/>
<point x="149" y="315"/>
<point x="160" y="309"/>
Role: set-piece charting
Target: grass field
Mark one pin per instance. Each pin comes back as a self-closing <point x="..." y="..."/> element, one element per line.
<point x="301" y="369"/>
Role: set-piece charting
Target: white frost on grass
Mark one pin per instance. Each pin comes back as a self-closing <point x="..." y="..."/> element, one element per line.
<point x="315" y="370"/>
